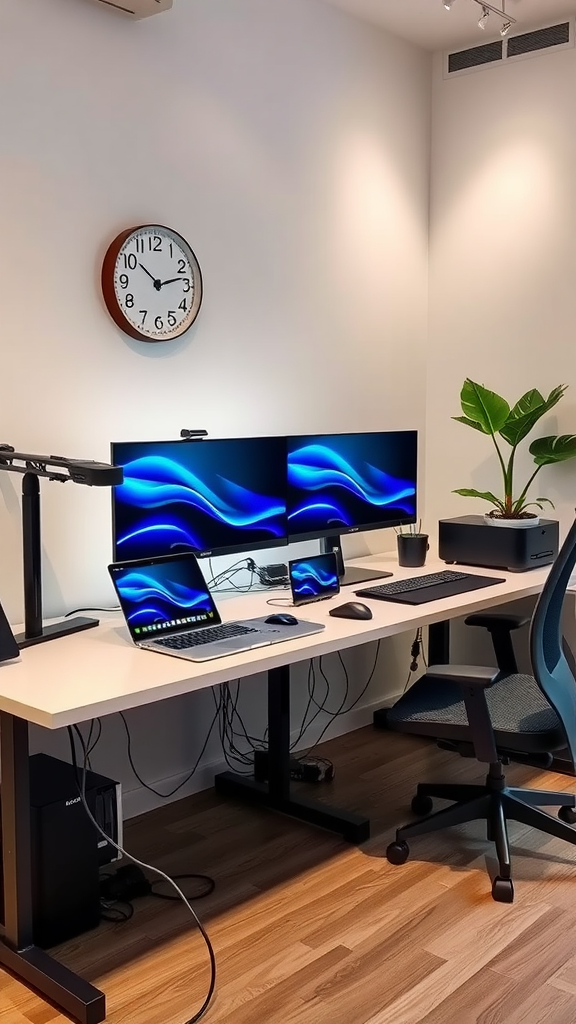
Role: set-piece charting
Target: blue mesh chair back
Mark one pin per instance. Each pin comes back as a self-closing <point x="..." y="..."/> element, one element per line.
<point x="549" y="665"/>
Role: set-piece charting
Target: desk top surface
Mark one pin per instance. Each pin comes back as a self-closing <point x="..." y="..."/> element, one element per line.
<point x="99" y="671"/>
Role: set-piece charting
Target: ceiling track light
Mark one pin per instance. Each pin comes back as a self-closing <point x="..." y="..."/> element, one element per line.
<point x="448" y="4"/>
<point x="487" y="10"/>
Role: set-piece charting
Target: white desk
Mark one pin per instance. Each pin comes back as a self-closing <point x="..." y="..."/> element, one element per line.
<point x="98" y="672"/>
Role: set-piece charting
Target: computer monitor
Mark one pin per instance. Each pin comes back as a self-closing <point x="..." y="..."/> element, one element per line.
<point x="347" y="483"/>
<point x="209" y="496"/>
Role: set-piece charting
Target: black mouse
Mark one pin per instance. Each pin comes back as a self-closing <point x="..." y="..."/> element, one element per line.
<point x="352" y="610"/>
<point x="282" y="619"/>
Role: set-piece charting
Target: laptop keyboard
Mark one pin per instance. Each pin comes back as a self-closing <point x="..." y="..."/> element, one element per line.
<point x="203" y="636"/>
<point x="415" y="583"/>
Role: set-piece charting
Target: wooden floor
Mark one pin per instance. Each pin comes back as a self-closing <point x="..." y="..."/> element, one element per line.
<point x="309" y="930"/>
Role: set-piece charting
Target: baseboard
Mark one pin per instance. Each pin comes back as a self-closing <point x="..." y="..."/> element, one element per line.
<point x="140" y="800"/>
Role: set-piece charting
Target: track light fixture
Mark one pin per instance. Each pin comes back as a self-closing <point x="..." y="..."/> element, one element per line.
<point x="487" y="10"/>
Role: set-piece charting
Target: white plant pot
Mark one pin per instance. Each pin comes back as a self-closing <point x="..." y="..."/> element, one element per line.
<point x="514" y="524"/>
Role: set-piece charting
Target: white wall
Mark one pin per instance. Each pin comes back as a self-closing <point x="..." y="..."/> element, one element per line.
<point x="290" y="145"/>
<point x="502" y="258"/>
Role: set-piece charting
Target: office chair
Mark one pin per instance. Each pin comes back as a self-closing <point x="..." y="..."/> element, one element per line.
<point x="504" y="716"/>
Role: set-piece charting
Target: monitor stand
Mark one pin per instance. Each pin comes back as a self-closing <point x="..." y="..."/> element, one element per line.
<point x="350" y="575"/>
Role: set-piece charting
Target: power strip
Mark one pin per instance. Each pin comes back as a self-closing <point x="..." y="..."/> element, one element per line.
<point x="300" y="770"/>
<point x="273" y="575"/>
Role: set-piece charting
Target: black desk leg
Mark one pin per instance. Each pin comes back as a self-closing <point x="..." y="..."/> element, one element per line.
<point x="275" y="793"/>
<point x="18" y="953"/>
<point x="438" y="654"/>
<point x="439" y="643"/>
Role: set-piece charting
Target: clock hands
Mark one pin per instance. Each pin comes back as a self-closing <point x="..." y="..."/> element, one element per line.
<point x="172" y="279"/>
<point x="157" y="281"/>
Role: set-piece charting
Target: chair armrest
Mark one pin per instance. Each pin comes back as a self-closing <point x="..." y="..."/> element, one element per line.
<point x="469" y="676"/>
<point x="493" y="620"/>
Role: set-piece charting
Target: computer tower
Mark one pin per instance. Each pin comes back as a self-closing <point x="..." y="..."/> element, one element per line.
<point x="67" y="850"/>
<point x="469" y="540"/>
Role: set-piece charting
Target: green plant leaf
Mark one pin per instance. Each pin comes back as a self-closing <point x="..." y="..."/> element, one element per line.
<point x="484" y="407"/>
<point x="526" y="413"/>
<point x="471" y="492"/>
<point x="469" y="423"/>
<point x="538" y="503"/>
<point x="559" y="448"/>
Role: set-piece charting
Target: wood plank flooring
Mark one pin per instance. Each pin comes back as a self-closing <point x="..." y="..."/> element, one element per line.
<point x="310" y="930"/>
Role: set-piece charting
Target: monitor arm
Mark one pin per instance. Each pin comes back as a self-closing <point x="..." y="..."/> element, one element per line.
<point x="52" y="467"/>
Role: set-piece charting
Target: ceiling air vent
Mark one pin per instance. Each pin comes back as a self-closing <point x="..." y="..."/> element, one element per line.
<point x="556" y="35"/>
<point x="137" y="8"/>
<point x="474" y="57"/>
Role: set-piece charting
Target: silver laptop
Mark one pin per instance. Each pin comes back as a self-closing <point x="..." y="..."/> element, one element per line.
<point x="168" y="608"/>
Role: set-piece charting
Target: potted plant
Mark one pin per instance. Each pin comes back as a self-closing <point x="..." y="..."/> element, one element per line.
<point x="491" y="414"/>
<point x="412" y="544"/>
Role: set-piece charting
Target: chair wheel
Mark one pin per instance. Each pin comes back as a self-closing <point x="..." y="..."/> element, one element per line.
<point x="422" y="805"/>
<point x="568" y="814"/>
<point x="503" y="890"/>
<point x="397" y="853"/>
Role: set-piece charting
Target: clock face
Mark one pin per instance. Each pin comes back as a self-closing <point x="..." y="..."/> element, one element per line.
<point x="152" y="283"/>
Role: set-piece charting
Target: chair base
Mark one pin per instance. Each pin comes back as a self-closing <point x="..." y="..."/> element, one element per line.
<point x="495" y="803"/>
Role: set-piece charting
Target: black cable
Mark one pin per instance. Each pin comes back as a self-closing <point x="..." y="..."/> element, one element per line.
<point x="164" y="796"/>
<point x="113" y="608"/>
<point x="342" y="710"/>
<point x="210" y="886"/>
<point x="149" y="867"/>
<point x="226" y="731"/>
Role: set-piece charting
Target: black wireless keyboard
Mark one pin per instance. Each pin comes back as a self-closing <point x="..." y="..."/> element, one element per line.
<point x="181" y="641"/>
<point x="432" y="587"/>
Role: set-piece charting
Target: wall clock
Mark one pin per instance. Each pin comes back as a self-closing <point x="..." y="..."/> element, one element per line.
<point x="151" y="283"/>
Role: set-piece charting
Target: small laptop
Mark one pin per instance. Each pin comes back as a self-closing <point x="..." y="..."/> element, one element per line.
<point x="314" y="578"/>
<point x="169" y="609"/>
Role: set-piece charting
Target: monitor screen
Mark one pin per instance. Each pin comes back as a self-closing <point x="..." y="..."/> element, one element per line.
<point x="314" y="578"/>
<point x="210" y="497"/>
<point x="163" y="593"/>
<point x="344" y="483"/>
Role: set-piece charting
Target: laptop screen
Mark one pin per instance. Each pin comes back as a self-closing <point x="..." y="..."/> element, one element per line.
<point x="163" y="595"/>
<point x="314" y="578"/>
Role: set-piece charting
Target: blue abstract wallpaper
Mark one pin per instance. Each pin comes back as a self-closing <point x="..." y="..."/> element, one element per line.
<point x="314" y="577"/>
<point x="202" y="496"/>
<point x="163" y="593"/>
<point x="343" y="482"/>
